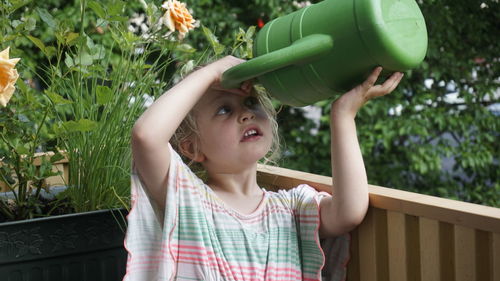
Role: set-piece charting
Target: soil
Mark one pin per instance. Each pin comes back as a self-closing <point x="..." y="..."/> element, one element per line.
<point x="45" y="206"/>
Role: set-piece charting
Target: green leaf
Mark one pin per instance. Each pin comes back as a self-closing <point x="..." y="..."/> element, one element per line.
<point x="185" y="48"/>
<point x="50" y="51"/>
<point x="56" y="98"/>
<point x="22" y="85"/>
<point x="116" y="8"/>
<point x="118" y="18"/>
<point x="17" y="24"/>
<point x="214" y="42"/>
<point x="37" y="43"/>
<point x="47" y="18"/>
<point x="250" y="33"/>
<point x="104" y="95"/>
<point x="98" y="52"/>
<point x="89" y="42"/>
<point x="84" y="59"/>
<point x="30" y="24"/>
<point x="82" y="125"/>
<point x="21" y="149"/>
<point x="71" y="37"/>
<point x="68" y="61"/>
<point x="56" y="157"/>
<point x="16" y="4"/>
<point x="96" y="7"/>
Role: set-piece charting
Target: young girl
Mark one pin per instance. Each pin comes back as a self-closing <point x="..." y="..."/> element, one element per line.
<point x="228" y="227"/>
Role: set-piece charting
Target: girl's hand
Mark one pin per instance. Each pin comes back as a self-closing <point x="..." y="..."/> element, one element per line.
<point x="350" y="102"/>
<point x="220" y="66"/>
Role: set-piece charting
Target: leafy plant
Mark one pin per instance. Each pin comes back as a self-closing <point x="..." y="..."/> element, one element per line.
<point x="93" y="86"/>
<point x="24" y="131"/>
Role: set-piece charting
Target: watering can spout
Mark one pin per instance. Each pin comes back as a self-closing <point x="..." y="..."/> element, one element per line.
<point x="302" y="51"/>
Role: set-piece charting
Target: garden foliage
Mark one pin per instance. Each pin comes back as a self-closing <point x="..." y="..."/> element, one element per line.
<point x="79" y="91"/>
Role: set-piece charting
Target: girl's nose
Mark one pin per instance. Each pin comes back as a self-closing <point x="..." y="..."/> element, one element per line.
<point x="246" y="115"/>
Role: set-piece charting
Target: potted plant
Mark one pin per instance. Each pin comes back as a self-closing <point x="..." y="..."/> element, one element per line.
<point x="96" y="78"/>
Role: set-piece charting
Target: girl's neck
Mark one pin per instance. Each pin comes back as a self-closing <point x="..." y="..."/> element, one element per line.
<point x="242" y="183"/>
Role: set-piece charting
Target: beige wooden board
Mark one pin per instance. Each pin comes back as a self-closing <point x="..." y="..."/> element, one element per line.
<point x="429" y="249"/>
<point x="413" y="261"/>
<point x="446" y="210"/>
<point x="367" y="248"/>
<point x="353" y="265"/>
<point x="397" y="246"/>
<point x="447" y="251"/>
<point x="496" y="256"/>
<point x="56" y="180"/>
<point x="465" y="253"/>
<point x="484" y="255"/>
<point x="381" y="246"/>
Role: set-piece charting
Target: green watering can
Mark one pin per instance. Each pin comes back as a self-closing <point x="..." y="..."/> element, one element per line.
<point x="327" y="48"/>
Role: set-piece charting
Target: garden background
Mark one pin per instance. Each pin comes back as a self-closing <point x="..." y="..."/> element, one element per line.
<point x="437" y="134"/>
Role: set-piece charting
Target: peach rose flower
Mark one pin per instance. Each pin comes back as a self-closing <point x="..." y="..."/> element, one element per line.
<point x="177" y="17"/>
<point x="8" y="76"/>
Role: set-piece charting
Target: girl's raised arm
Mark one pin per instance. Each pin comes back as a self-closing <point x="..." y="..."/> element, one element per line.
<point x="348" y="206"/>
<point x="153" y="130"/>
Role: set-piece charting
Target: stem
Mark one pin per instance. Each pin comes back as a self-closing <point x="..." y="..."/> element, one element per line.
<point x="82" y="17"/>
<point x="11" y="188"/>
<point x="17" y="173"/>
<point x="38" y="131"/>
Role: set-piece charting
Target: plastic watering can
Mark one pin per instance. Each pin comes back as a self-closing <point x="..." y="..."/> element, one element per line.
<point x="327" y="48"/>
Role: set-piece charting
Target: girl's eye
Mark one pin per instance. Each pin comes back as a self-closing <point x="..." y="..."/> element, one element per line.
<point x="251" y="102"/>
<point x="223" y="110"/>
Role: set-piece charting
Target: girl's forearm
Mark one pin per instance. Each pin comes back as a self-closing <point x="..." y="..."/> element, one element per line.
<point x="159" y="122"/>
<point x="350" y="184"/>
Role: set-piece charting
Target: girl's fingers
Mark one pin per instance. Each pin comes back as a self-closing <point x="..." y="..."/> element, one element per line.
<point x="388" y="86"/>
<point x="247" y="86"/>
<point x="396" y="81"/>
<point x="370" y="81"/>
<point x="238" y="91"/>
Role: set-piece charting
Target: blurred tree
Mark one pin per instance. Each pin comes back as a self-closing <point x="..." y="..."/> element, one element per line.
<point x="438" y="133"/>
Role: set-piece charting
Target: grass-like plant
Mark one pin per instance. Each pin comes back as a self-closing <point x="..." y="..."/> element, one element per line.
<point x="97" y="78"/>
<point x="98" y="94"/>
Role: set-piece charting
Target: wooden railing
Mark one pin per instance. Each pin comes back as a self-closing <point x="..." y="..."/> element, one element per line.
<point x="411" y="237"/>
<point x="405" y="236"/>
<point x="59" y="166"/>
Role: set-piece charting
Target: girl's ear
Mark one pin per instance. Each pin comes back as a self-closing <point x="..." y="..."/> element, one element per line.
<point x="191" y="150"/>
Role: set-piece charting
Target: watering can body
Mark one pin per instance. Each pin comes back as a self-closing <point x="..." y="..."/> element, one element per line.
<point x="327" y="48"/>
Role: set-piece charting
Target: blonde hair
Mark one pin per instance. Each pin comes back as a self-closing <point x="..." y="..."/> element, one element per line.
<point x="188" y="129"/>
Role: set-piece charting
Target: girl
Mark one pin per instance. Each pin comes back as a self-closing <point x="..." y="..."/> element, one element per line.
<point x="228" y="227"/>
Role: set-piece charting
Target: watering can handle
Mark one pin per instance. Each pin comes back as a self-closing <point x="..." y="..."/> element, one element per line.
<point x="301" y="51"/>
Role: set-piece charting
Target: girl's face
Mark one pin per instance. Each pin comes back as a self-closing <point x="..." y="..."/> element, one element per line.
<point x="234" y="130"/>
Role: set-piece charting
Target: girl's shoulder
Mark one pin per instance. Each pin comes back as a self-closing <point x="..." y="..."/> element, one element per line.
<point x="297" y="197"/>
<point x="302" y="190"/>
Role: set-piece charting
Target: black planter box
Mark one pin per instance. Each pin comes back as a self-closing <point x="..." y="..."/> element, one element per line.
<point x="83" y="246"/>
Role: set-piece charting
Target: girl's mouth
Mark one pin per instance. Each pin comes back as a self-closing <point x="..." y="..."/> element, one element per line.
<point x="251" y="134"/>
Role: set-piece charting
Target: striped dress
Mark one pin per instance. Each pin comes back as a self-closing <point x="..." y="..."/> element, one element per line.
<point x="198" y="237"/>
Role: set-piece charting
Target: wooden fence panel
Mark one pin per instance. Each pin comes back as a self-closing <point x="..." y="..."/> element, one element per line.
<point x="496" y="257"/>
<point x="465" y="249"/>
<point x="429" y="250"/>
<point x="396" y="233"/>
<point x="413" y="237"/>
<point x="406" y="236"/>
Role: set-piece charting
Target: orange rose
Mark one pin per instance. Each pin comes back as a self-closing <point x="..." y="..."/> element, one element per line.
<point x="177" y="17"/>
<point x="8" y="76"/>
